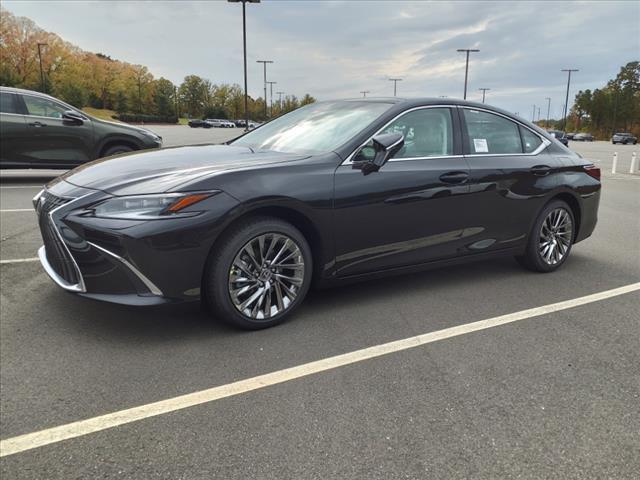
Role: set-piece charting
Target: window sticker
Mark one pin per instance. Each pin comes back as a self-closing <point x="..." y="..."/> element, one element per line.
<point x="480" y="145"/>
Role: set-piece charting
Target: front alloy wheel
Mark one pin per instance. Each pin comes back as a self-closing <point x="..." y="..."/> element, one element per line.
<point x="266" y="275"/>
<point x="258" y="273"/>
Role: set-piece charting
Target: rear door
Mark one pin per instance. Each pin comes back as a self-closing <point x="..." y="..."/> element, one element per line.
<point x="54" y="141"/>
<point x="13" y="132"/>
<point x="512" y="176"/>
<point x="415" y="209"/>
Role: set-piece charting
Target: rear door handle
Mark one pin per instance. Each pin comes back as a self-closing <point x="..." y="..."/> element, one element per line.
<point x="37" y="124"/>
<point x="454" y="177"/>
<point x="541" y="170"/>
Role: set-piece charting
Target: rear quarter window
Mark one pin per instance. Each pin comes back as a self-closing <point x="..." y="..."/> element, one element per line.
<point x="8" y="103"/>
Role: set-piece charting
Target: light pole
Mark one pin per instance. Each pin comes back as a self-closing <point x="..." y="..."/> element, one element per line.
<point x="175" y="95"/>
<point x="466" y="68"/>
<point x="264" y="64"/>
<point x="271" y="94"/>
<point x="395" y="84"/>
<point x="566" y="100"/>
<point x="364" y="93"/>
<point x="244" y="47"/>
<point x="484" y="90"/>
<point x="280" y="100"/>
<point x="548" y="99"/>
<point x="533" y="115"/>
<point x="42" y="84"/>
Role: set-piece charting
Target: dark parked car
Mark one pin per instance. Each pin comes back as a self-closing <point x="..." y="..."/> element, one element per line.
<point x="329" y="193"/>
<point x="560" y="136"/>
<point x="624" y="138"/>
<point x="196" y="123"/>
<point x="39" y="131"/>
<point x="570" y="135"/>
<point x="583" y="137"/>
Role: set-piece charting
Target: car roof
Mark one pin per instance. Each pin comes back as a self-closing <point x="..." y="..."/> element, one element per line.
<point x="25" y="91"/>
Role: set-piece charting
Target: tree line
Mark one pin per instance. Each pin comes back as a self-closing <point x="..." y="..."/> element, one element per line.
<point x="84" y="79"/>
<point x="613" y="108"/>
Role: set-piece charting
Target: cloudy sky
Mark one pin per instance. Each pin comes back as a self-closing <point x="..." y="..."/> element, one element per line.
<point x="337" y="49"/>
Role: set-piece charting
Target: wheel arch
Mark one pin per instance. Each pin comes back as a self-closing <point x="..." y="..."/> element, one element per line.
<point x="113" y="141"/>
<point x="576" y="208"/>
<point x="291" y="215"/>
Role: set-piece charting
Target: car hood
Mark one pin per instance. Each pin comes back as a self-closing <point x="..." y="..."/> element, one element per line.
<point x="168" y="169"/>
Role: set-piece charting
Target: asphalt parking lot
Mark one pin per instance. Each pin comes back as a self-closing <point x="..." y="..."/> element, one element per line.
<point x="555" y="394"/>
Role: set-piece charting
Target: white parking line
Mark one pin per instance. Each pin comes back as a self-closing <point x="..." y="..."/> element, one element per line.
<point x="19" y="260"/>
<point x="30" y="441"/>
<point x="21" y="186"/>
<point x="14" y="210"/>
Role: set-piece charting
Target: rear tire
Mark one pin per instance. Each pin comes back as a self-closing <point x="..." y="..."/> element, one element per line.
<point x="117" y="149"/>
<point x="551" y="238"/>
<point x="258" y="274"/>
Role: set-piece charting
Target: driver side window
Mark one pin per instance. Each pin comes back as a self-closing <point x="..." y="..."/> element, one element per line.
<point x="428" y="132"/>
<point x="43" y="107"/>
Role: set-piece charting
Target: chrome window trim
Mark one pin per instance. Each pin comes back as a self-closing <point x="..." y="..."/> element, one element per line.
<point x="349" y="159"/>
<point x="80" y="286"/>
<point x="545" y="142"/>
<point x="148" y="283"/>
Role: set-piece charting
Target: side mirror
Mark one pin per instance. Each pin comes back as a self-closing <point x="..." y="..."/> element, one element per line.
<point x="385" y="146"/>
<point x="73" y="117"/>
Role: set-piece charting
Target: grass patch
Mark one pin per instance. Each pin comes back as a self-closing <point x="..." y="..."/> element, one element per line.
<point x="100" y="113"/>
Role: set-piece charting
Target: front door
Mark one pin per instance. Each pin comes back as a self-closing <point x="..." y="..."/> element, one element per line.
<point x="415" y="208"/>
<point x="54" y="141"/>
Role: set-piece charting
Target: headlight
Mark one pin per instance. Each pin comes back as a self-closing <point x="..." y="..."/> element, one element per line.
<point x="150" y="134"/>
<point x="149" y="207"/>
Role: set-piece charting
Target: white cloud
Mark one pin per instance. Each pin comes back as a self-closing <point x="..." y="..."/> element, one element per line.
<point x="336" y="49"/>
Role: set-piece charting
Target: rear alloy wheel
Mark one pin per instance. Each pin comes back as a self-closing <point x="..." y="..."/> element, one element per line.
<point x="259" y="274"/>
<point x="551" y="239"/>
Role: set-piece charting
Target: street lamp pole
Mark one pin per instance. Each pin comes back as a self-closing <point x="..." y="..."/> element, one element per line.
<point x="280" y="100"/>
<point x="395" y="84"/>
<point x="271" y="101"/>
<point x="548" y="99"/>
<point x="566" y="100"/>
<point x="42" y="84"/>
<point x="264" y="63"/>
<point x="533" y="115"/>
<point x="484" y="90"/>
<point x="244" y="48"/>
<point x="466" y="68"/>
<point x="364" y="93"/>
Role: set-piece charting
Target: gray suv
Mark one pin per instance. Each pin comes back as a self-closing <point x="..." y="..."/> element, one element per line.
<point x="40" y="131"/>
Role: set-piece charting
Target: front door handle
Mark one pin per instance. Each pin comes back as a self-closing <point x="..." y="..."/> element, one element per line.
<point x="454" y="177"/>
<point x="541" y="170"/>
<point x="37" y="124"/>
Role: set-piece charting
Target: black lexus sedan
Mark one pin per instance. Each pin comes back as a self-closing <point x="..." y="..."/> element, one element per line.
<point x="327" y="194"/>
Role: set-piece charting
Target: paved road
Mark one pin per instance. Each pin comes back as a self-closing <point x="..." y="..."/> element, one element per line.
<point x="553" y="396"/>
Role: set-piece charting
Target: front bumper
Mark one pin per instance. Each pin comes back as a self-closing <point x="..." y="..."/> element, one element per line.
<point x="123" y="261"/>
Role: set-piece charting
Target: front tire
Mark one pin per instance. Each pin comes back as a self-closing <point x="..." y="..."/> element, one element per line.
<point x="258" y="274"/>
<point x="550" y="240"/>
<point x="116" y="150"/>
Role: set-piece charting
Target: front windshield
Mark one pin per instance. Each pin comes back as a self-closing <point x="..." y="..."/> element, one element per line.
<point x="315" y="128"/>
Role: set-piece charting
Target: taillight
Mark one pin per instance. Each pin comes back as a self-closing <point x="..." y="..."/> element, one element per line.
<point x="592" y="171"/>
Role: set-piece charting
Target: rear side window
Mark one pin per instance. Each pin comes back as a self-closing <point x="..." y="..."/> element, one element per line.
<point x="491" y="134"/>
<point x="8" y="103"/>
<point x="530" y="141"/>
